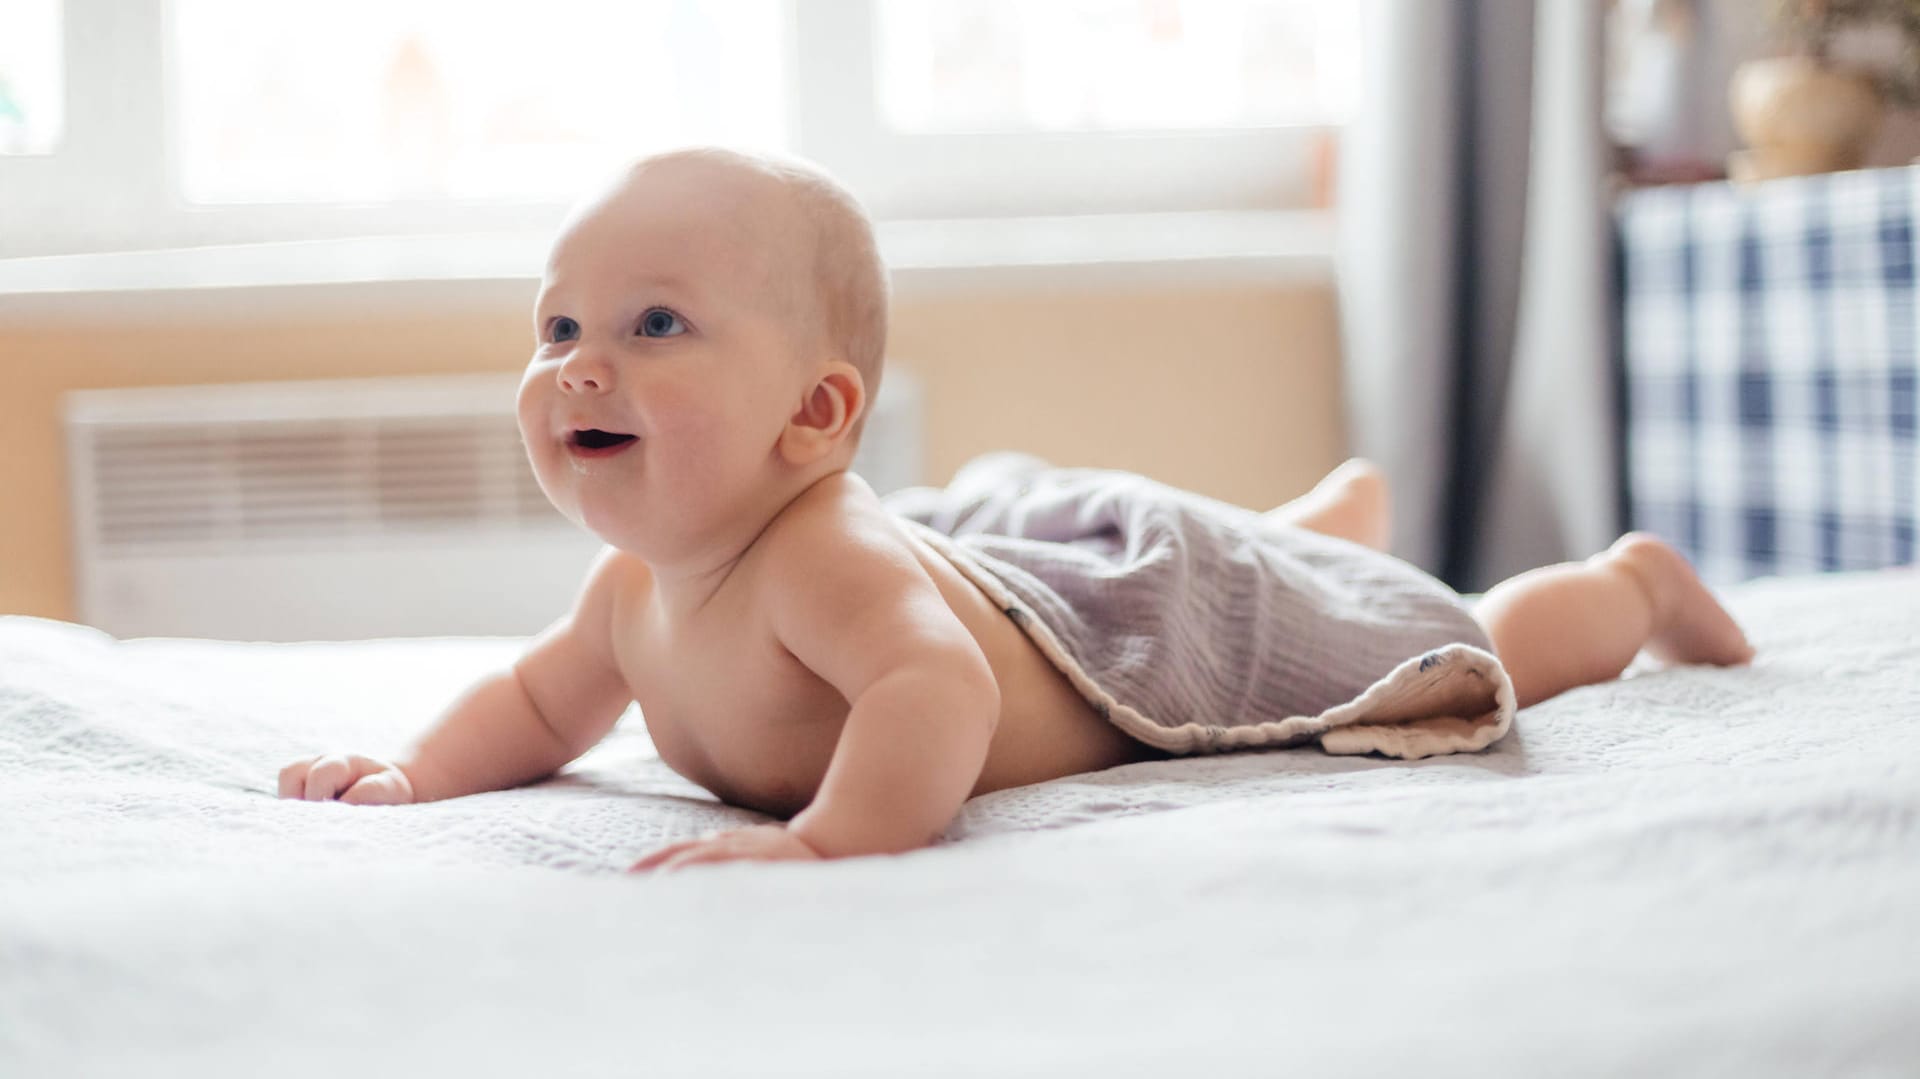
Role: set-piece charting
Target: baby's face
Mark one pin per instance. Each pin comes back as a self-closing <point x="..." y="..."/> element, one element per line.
<point x="666" y="361"/>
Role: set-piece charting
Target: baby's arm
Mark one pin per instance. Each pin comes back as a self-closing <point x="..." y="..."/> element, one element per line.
<point x="861" y="612"/>
<point x="850" y="602"/>
<point x="559" y="699"/>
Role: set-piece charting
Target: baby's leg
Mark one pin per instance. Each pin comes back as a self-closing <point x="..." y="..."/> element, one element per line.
<point x="1582" y="622"/>
<point x="1351" y="503"/>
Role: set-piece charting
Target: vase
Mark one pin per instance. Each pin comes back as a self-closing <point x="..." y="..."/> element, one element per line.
<point x="1799" y="116"/>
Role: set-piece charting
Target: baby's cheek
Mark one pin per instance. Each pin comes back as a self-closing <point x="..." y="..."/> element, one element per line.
<point x="682" y="465"/>
<point x="686" y="437"/>
<point x="526" y="422"/>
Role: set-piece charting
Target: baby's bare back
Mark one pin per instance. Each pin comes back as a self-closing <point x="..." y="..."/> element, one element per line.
<point x="731" y="709"/>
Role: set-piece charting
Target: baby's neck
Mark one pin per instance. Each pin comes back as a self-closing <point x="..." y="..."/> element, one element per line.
<point x="686" y="582"/>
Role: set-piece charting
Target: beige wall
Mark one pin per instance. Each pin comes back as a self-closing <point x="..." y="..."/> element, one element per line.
<point x="1230" y="390"/>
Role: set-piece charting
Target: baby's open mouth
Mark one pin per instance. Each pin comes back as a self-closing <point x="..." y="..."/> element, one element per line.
<point x="593" y="442"/>
<point x="593" y="438"/>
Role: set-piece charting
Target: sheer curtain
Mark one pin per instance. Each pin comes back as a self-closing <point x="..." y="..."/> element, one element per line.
<point x="1474" y="276"/>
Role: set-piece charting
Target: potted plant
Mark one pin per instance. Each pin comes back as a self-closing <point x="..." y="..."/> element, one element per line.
<point x="1818" y="107"/>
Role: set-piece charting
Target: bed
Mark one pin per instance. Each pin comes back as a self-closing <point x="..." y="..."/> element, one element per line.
<point x="1687" y="871"/>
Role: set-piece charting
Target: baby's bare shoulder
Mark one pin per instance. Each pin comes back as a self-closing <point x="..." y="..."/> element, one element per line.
<point x="847" y="595"/>
<point x="837" y="541"/>
<point x="839" y="513"/>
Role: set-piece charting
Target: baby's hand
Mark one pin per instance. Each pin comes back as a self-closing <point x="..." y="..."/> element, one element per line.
<point x="348" y="777"/>
<point x="762" y="842"/>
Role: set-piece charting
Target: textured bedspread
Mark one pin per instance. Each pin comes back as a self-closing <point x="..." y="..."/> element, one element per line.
<point x="1698" y="871"/>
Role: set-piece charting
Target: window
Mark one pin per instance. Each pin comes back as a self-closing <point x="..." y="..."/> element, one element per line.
<point x="30" y="91"/>
<point x="1096" y="65"/>
<point x="385" y="100"/>
<point x="1004" y="107"/>
<point x="223" y="121"/>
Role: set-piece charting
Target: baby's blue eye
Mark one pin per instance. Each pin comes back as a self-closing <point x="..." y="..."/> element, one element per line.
<point x="563" y="329"/>
<point x="660" y="322"/>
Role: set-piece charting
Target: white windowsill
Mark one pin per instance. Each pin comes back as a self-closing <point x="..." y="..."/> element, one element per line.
<point x="1093" y="251"/>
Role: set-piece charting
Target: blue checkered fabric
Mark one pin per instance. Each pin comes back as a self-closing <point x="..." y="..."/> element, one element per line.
<point x="1769" y="358"/>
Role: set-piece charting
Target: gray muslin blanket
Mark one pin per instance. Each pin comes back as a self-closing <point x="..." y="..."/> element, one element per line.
<point x="1196" y="627"/>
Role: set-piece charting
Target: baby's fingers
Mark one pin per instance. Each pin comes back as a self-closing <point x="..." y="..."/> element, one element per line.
<point x="664" y="853"/>
<point x="703" y="854"/>
<point x="333" y="774"/>
<point x="388" y="787"/>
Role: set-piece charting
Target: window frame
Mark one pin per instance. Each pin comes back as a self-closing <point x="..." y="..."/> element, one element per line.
<point x="112" y="182"/>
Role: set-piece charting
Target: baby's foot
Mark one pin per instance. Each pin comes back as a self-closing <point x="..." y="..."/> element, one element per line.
<point x="1689" y="625"/>
<point x="1351" y="503"/>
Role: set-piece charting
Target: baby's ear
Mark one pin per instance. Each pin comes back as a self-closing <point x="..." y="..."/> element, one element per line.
<point x="826" y="414"/>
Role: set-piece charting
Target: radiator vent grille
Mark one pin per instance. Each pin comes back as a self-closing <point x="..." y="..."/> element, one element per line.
<point x="340" y="510"/>
<point x="207" y="485"/>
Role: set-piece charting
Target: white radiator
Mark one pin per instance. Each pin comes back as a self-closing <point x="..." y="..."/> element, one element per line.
<point x="340" y="510"/>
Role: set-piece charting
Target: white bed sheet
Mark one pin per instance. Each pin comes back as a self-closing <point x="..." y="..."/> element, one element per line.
<point x="1691" y="870"/>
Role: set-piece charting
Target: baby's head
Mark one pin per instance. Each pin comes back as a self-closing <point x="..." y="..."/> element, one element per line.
<point x="727" y="312"/>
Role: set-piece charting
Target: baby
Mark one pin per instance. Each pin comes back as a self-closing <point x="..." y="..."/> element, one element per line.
<point x="709" y="335"/>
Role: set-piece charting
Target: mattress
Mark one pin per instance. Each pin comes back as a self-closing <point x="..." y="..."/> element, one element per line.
<point x="1685" y="871"/>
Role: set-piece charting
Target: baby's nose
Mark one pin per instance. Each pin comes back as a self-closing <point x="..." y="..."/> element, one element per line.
<point x="584" y="375"/>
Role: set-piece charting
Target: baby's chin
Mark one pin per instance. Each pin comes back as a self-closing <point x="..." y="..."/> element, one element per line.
<point x="613" y="532"/>
<point x="626" y="526"/>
